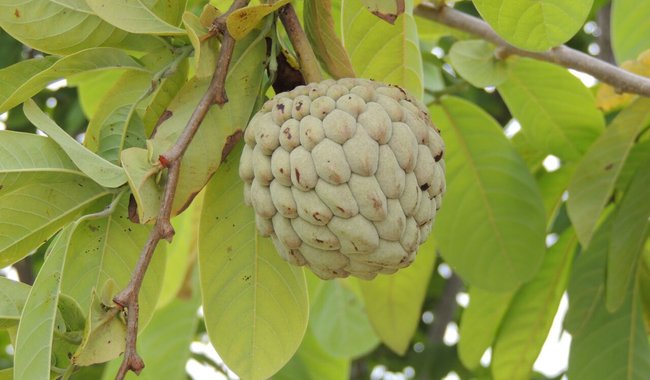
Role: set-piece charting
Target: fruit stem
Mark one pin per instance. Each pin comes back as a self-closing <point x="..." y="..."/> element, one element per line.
<point x="308" y="63"/>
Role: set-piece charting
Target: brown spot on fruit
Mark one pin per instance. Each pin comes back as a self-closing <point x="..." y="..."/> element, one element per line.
<point x="424" y="187"/>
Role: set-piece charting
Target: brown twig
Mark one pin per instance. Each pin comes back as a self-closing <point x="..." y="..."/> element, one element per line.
<point x="215" y="94"/>
<point x="308" y="62"/>
<point x="623" y="81"/>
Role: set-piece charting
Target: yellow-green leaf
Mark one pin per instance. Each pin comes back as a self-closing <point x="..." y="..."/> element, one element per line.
<point x="387" y="10"/>
<point x="475" y="61"/>
<point x="328" y="47"/>
<point x="243" y="20"/>
<point x="12" y="299"/>
<point x="595" y="176"/>
<point x="133" y="16"/>
<point x="255" y="303"/>
<point x="394" y="302"/>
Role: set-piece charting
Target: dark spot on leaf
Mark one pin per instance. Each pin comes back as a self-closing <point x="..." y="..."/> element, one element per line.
<point x="231" y="141"/>
<point x="133" y="210"/>
<point x="229" y="249"/>
<point x="17" y="13"/>
<point x="1" y="186"/>
<point x="424" y="186"/>
<point x="609" y="166"/>
<point x="246" y="278"/>
<point x="93" y="228"/>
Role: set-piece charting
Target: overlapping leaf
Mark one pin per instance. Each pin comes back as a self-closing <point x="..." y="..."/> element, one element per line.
<point x="535" y="25"/>
<point x="531" y="313"/>
<point x="328" y="47"/>
<point x="394" y="302"/>
<point x="106" y="249"/>
<point x="34" y="339"/>
<point x="491" y="227"/>
<point x="94" y="166"/>
<point x="596" y="173"/>
<point x="475" y="61"/>
<point x="339" y="321"/>
<point x="13" y="295"/>
<point x="629" y="234"/>
<point x="630" y="29"/>
<point x="387" y="10"/>
<point x="480" y="323"/>
<point x="380" y="51"/>
<point x="135" y="17"/>
<point x="255" y="304"/>
<point x="205" y="50"/>
<point x="556" y="111"/>
<point x="24" y="79"/>
<point x="242" y="21"/>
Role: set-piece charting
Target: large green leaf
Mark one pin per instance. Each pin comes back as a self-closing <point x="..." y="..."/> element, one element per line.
<point x="311" y="362"/>
<point x="164" y="345"/>
<point x="535" y="25"/>
<point x="106" y="249"/>
<point x="37" y="323"/>
<point x="27" y="158"/>
<point x="604" y="345"/>
<point x="94" y="166"/>
<point x="203" y="155"/>
<point x="553" y="185"/>
<point x="629" y="233"/>
<point x="491" y="226"/>
<point x="25" y="79"/>
<point x="383" y="52"/>
<point x="530" y="315"/>
<point x="12" y="299"/>
<point x="394" y="302"/>
<point x="475" y="61"/>
<point x="33" y="212"/>
<point x="339" y="321"/>
<point x="134" y="16"/>
<point x="328" y="47"/>
<point x="480" y="323"/>
<point x="255" y="304"/>
<point x="630" y="29"/>
<point x="206" y="51"/>
<point x="595" y="177"/>
<point x="556" y="111"/>
<point x="61" y="27"/>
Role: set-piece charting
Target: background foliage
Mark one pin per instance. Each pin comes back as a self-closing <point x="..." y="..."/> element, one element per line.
<point x="547" y="195"/>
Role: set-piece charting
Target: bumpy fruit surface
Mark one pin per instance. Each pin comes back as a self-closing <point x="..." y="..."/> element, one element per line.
<point x="345" y="176"/>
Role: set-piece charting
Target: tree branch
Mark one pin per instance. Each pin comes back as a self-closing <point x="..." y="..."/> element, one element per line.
<point x="621" y="80"/>
<point x="216" y="93"/>
<point x="308" y="63"/>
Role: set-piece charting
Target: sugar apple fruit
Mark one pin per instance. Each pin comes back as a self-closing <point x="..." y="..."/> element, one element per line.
<point x="345" y="176"/>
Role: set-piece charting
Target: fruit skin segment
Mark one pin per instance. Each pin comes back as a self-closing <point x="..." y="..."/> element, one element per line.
<point x="345" y="176"/>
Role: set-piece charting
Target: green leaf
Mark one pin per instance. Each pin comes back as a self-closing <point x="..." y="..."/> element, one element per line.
<point x="629" y="233"/>
<point x="556" y="111"/>
<point x="91" y="89"/>
<point x="255" y="304"/>
<point x="170" y="11"/>
<point x="116" y="126"/>
<point x="164" y="345"/>
<point x="133" y="16"/>
<point x="12" y="299"/>
<point x="25" y="79"/>
<point x="339" y="322"/>
<point x="27" y="158"/>
<point x="475" y="61"/>
<point x="155" y="111"/>
<point x="629" y="29"/>
<point x="535" y="25"/>
<point x="95" y="167"/>
<point x="142" y="177"/>
<point x="37" y="323"/>
<point x="604" y="345"/>
<point x="63" y="27"/>
<point x="105" y="333"/>
<point x="387" y="10"/>
<point x="480" y="323"/>
<point x="394" y="302"/>
<point x="206" y="51"/>
<point x="530" y="315"/>
<point x="7" y="374"/>
<point x="106" y="249"/>
<point x="552" y="186"/>
<point x="243" y="20"/>
<point x="595" y="177"/>
<point x="220" y="127"/>
<point x="491" y="227"/>
<point x="380" y="51"/>
<point x="328" y="47"/>
<point x="639" y="154"/>
<point x="311" y="362"/>
<point x="33" y="212"/>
